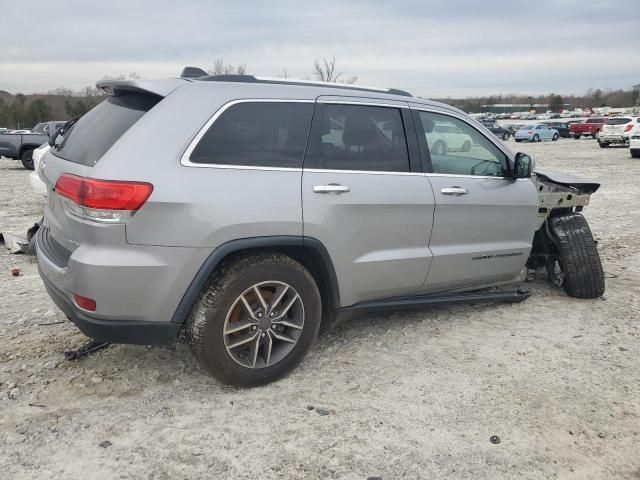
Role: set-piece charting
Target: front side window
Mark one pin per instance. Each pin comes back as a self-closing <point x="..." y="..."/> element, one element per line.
<point x="358" y="137"/>
<point x="266" y="134"/>
<point x="457" y="148"/>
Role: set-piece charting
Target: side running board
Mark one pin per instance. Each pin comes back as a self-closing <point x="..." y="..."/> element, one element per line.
<point x="419" y="301"/>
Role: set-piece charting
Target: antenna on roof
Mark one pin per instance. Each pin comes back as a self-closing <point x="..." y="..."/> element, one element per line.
<point x="193" y="72"/>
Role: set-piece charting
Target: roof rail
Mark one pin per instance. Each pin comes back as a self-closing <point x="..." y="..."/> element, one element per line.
<point x="288" y="81"/>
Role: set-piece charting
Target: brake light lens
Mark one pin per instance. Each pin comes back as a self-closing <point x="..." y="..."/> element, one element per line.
<point x="628" y="127"/>
<point x="85" y="302"/>
<point x="103" y="194"/>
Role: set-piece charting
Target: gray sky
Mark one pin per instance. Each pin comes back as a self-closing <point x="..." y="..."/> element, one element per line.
<point x="431" y="48"/>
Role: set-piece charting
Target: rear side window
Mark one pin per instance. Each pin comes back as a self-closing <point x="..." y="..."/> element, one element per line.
<point x="265" y="134"/>
<point x="618" y="121"/>
<point x="91" y="136"/>
<point x="358" y="137"/>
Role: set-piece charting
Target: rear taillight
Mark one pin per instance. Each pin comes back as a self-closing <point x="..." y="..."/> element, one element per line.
<point x="102" y="200"/>
<point x="628" y="127"/>
<point x="530" y="132"/>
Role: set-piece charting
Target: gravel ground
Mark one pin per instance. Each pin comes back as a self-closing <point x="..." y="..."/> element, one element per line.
<point x="404" y="395"/>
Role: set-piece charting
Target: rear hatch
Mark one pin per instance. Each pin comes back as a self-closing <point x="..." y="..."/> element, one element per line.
<point x="616" y="126"/>
<point x="75" y="153"/>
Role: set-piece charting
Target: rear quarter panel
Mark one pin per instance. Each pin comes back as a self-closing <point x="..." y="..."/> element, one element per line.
<point x="191" y="206"/>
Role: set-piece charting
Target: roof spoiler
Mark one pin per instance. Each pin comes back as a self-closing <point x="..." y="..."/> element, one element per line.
<point x="161" y="88"/>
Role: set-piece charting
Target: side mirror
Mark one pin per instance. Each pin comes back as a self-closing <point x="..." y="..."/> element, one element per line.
<point x="523" y="166"/>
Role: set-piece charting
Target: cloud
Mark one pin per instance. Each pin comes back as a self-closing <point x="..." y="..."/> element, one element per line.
<point x="432" y="48"/>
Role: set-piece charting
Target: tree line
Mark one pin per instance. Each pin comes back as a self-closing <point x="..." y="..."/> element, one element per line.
<point x="24" y="111"/>
<point x="592" y="98"/>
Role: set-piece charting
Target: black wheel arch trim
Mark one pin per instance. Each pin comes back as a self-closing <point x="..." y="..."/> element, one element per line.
<point x="221" y="252"/>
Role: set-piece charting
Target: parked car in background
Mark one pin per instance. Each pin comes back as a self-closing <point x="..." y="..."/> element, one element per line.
<point x="448" y="137"/>
<point x="513" y="127"/>
<point x="590" y="126"/>
<point x="498" y="131"/>
<point x="34" y="177"/>
<point x="19" y="145"/>
<point x="616" y="131"/>
<point x="536" y="133"/>
<point x="634" y="142"/>
<point x="48" y="127"/>
<point x="561" y="127"/>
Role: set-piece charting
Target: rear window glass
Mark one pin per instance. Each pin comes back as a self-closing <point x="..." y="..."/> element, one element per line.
<point x="618" y="121"/>
<point x="91" y="136"/>
<point x="359" y="137"/>
<point x="267" y="134"/>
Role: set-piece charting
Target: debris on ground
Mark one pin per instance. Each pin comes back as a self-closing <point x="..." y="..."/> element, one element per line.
<point x="86" y="349"/>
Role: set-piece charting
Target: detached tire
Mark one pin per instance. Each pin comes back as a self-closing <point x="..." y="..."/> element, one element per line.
<point x="255" y="319"/>
<point x="26" y="158"/>
<point x="579" y="259"/>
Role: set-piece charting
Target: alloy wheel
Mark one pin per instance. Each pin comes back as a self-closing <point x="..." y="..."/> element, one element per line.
<point x="263" y="324"/>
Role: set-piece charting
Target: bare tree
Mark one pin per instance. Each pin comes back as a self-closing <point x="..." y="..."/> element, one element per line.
<point x="325" y="71"/>
<point x="284" y="73"/>
<point x="219" y="68"/>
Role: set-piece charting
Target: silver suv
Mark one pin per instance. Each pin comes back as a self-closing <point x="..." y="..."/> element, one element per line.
<point x="249" y="212"/>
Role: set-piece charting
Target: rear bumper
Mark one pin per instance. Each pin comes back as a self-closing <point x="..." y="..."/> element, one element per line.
<point x="136" y="289"/>
<point x="113" y="331"/>
<point x="604" y="138"/>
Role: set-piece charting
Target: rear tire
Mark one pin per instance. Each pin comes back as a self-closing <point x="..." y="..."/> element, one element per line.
<point x="602" y="144"/>
<point x="577" y="137"/>
<point x="555" y="137"/>
<point x="26" y="158"/>
<point x="578" y="256"/>
<point x="536" y="138"/>
<point x="224" y="297"/>
<point x="635" y="153"/>
<point x="505" y="136"/>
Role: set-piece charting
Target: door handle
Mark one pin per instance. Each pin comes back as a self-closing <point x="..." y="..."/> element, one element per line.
<point x="457" y="191"/>
<point x="331" y="188"/>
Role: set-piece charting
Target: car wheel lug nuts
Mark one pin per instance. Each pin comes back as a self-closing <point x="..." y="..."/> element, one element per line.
<point x="263" y="334"/>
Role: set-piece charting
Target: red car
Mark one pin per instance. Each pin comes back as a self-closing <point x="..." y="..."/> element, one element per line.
<point x="590" y="126"/>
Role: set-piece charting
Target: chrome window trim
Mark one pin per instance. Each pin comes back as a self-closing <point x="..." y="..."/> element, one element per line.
<point x="364" y="104"/>
<point x="186" y="162"/>
<point x="365" y="172"/>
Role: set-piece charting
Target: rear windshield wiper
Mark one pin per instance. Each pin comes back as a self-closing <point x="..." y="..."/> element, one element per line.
<point x="61" y="131"/>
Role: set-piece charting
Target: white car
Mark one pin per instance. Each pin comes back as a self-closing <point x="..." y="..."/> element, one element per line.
<point x="34" y="177"/>
<point x="617" y="130"/>
<point x="446" y="137"/>
<point x="634" y="142"/>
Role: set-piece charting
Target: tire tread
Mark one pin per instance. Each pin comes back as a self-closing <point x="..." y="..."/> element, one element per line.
<point x="579" y="258"/>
